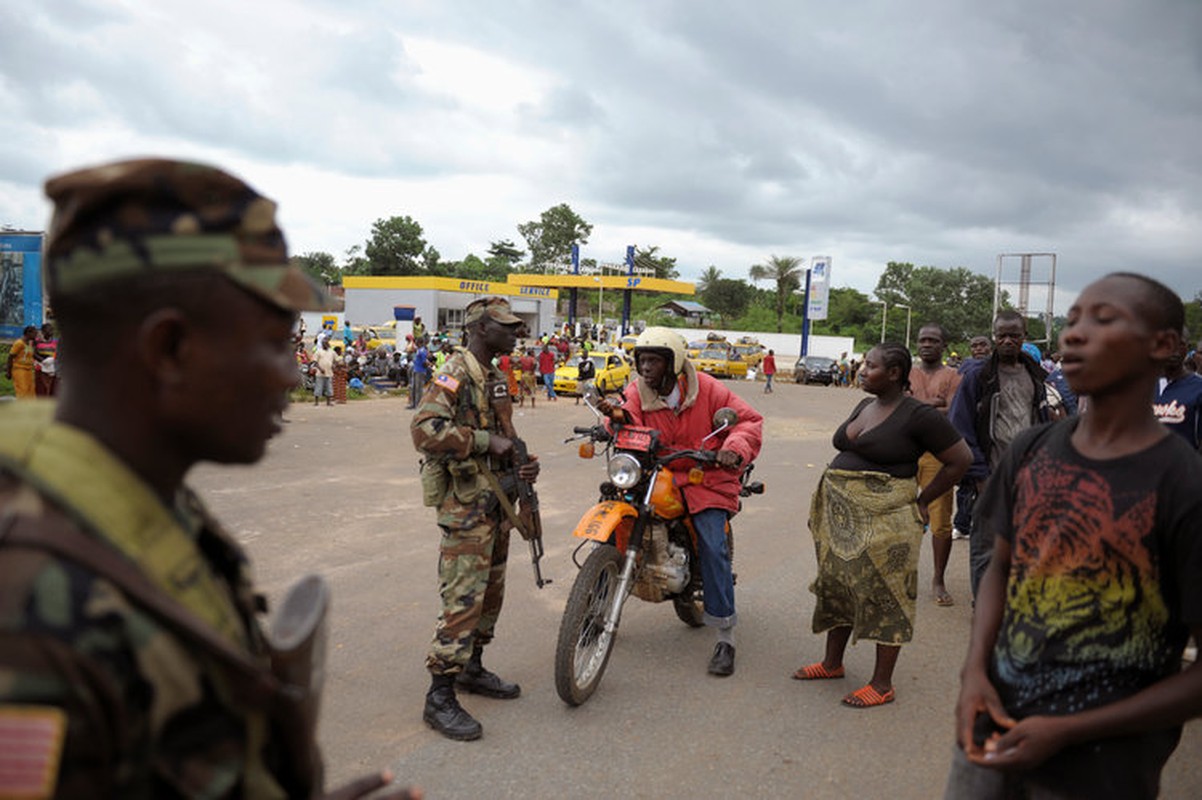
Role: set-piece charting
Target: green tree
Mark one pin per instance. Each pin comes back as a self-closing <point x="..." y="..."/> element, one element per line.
<point x="472" y="267"/>
<point x="507" y="250"/>
<point x="958" y="299"/>
<point x="1193" y="319"/>
<point x="727" y="297"/>
<point x="550" y="238"/>
<point x="396" y="247"/>
<point x="431" y="258"/>
<point x="785" y="272"/>
<point x="894" y="284"/>
<point x="850" y="313"/>
<point x="662" y="266"/>
<point x="353" y="262"/>
<point x="709" y="275"/>
<point x="320" y="266"/>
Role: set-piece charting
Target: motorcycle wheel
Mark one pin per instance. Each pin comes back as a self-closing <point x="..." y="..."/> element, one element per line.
<point x="689" y="608"/>
<point x="580" y="659"/>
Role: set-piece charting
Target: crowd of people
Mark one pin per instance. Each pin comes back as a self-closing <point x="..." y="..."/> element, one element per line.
<point x="134" y="661"/>
<point x="332" y="358"/>
<point x="32" y="363"/>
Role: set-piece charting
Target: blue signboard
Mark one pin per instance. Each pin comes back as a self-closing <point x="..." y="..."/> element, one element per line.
<point x="20" y="282"/>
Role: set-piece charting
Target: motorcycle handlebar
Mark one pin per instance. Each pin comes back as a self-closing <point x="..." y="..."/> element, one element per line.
<point x="596" y="432"/>
<point x="702" y="456"/>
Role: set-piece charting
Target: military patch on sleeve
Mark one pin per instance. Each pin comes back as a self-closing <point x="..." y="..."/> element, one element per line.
<point x="31" y="744"/>
<point x="447" y="382"/>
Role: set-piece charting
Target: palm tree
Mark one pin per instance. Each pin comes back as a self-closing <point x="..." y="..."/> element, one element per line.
<point x="709" y="277"/>
<point x="785" y="271"/>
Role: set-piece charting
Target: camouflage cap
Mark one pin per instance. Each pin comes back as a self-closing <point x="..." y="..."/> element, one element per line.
<point x="147" y="215"/>
<point x="495" y="307"/>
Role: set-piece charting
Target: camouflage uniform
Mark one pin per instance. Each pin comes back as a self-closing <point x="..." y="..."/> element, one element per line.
<point x="452" y="428"/>
<point x="146" y="716"/>
<point x="123" y="705"/>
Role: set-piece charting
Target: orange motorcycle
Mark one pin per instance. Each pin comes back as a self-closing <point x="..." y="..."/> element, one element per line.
<point x="638" y="539"/>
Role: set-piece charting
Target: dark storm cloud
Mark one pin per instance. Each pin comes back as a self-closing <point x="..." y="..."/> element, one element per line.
<point x="931" y="131"/>
<point x="1063" y="124"/>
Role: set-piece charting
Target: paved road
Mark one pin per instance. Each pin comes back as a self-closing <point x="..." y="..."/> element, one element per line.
<point x="338" y="494"/>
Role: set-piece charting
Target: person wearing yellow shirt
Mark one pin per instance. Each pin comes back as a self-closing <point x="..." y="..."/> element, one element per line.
<point x="19" y="368"/>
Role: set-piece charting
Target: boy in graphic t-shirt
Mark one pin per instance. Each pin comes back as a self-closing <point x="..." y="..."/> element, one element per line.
<point x="1073" y="684"/>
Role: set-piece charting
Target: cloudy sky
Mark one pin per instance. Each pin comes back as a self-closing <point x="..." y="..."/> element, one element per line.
<point x="939" y="132"/>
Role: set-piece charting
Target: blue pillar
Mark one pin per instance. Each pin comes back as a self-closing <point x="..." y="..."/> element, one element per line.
<point x="805" y="319"/>
<point x="626" y="292"/>
<point x="573" y="290"/>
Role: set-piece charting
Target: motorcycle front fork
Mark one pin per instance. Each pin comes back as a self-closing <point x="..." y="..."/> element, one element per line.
<point x="626" y="580"/>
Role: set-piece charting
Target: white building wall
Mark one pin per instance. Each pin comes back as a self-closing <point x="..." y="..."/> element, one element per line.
<point x="786" y="345"/>
<point x="375" y="306"/>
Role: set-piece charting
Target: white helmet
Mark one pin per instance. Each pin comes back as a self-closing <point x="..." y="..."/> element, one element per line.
<point x="663" y="342"/>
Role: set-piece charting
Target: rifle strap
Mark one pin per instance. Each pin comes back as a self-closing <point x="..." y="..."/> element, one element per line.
<point x="507" y="506"/>
<point x="254" y="682"/>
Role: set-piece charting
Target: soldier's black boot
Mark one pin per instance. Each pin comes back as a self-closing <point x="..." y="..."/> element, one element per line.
<point x="444" y="714"/>
<point x="478" y="680"/>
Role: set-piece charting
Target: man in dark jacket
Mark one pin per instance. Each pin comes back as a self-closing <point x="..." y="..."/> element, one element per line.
<point x="998" y="398"/>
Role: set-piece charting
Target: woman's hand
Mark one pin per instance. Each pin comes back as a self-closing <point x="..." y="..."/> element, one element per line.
<point x="924" y="511"/>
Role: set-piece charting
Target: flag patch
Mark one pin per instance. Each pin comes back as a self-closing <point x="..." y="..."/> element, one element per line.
<point x="447" y="382"/>
<point x="31" y="744"/>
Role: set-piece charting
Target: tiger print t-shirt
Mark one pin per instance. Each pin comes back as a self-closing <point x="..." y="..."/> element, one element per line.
<point x="1104" y="575"/>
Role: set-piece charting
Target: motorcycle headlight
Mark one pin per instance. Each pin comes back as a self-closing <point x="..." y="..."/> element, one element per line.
<point x="624" y="470"/>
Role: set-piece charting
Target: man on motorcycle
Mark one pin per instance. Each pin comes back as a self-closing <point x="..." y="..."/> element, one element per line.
<point x="671" y="396"/>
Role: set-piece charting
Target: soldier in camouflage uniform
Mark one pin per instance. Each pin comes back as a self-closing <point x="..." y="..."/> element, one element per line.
<point x="461" y="437"/>
<point x="175" y="300"/>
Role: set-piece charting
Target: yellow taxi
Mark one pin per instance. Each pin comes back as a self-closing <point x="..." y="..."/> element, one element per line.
<point x="719" y="359"/>
<point x="376" y="335"/>
<point x="749" y="351"/>
<point x="627" y="342"/>
<point x="611" y="373"/>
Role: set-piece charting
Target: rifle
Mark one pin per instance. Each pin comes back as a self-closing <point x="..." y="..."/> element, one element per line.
<point x="532" y="522"/>
<point x="527" y="520"/>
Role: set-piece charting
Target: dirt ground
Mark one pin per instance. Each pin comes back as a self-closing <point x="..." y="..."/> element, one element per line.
<point x="338" y="494"/>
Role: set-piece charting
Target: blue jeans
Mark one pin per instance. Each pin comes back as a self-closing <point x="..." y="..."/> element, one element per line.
<point x="417" y="385"/>
<point x="549" y="382"/>
<point x="966" y="495"/>
<point x="716" y="576"/>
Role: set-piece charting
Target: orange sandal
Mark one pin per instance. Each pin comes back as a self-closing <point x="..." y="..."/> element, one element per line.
<point x="867" y="697"/>
<point x="817" y="672"/>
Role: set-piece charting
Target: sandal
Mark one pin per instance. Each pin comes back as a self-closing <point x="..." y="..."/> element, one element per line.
<point x="943" y="598"/>
<point x="867" y="697"/>
<point x="817" y="672"/>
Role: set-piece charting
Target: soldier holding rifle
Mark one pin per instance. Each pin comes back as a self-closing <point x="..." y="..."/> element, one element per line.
<point x="132" y="663"/>
<point x="472" y="473"/>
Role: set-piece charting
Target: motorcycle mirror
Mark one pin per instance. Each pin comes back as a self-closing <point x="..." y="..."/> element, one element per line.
<point x="592" y="396"/>
<point x="725" y="417"/>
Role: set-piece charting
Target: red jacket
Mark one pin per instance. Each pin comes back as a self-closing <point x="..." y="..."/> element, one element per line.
<point x="693" y="421"/>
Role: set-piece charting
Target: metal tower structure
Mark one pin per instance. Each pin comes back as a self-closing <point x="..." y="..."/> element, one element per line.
<point x="1025" y="263"/>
